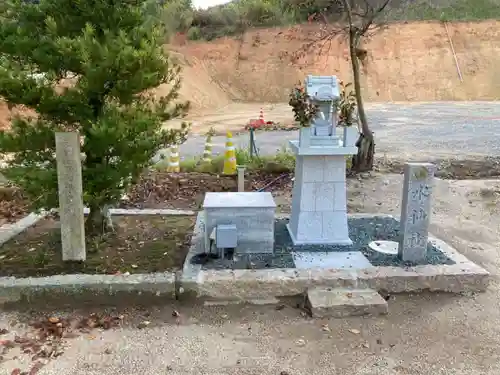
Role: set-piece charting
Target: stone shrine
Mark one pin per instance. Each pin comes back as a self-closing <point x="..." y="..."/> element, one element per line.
<point x="319" y="203"/>
<point x="251" y="214"/>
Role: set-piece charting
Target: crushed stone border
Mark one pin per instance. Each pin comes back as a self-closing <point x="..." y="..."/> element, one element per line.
<point x="266" y="284"/>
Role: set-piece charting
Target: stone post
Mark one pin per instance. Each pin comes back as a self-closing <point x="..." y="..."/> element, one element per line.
<point x="416" y="211"/>
<point x="241" y="178"/>
<point x="69" y="178"/>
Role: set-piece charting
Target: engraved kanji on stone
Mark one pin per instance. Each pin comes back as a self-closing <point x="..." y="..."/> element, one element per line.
<point x="416" y="211"/>
<point x="418" y="215"/>
<point x="422" y="192"/>
<point x="416" y="239"/>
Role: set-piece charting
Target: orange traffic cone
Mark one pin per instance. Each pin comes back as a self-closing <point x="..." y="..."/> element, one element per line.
<point x="261" y="116"/>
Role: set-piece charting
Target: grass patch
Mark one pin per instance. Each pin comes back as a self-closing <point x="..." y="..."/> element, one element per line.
<point x="456" y="10"/>
<point x="283" y="161"/>
<point x="140" y="244"/>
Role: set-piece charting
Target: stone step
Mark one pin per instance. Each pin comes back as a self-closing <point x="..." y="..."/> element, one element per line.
<point x="324" y="302"/>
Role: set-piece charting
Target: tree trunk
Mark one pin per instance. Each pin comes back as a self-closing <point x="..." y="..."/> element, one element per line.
<point x="363" y="161"/>
<point x="98" y="222"/>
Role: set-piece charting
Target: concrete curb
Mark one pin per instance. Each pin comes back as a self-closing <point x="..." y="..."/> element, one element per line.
<point x="266" y="284"/>
<point x="8" y="231"/>
<point x="13" y="289"/>
<point x="146" y="211"/>
<point x="252" y="285"/>
<point x="160" y="284"/>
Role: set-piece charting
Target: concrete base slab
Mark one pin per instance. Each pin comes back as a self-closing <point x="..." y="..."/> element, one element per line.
<point x="255" y="284"/>
<point x="227" y="284"/>
<point x="341" y="303"/>
<point x="344" y="260"/>
<point x="346" y="241"/>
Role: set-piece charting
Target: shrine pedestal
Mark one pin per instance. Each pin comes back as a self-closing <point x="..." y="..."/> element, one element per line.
<point x="319" y="202"/>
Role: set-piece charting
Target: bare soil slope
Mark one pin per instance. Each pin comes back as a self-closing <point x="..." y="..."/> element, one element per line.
<point x="406" y="62"/>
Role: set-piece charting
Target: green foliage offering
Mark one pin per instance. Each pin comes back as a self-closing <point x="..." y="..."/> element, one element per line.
<point x="303" y="110"/>
<point x="113" y="53"/>
<point x="347" y="104"/>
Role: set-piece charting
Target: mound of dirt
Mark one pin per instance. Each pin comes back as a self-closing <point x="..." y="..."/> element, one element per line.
<point x="197" y="85"/>
<point x="6" y="114"/>
<point x="404" y="62"/>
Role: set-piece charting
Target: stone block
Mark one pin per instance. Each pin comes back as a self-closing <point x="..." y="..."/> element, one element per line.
<point x="334" y="227"/>
<point x="322" y="88"/>
<point x="239" y="200"/>
<point x="320" y="228"/>
<point x="339" y="197"/>
<point x="319" y="204"/>
<point x="306" y="198"/>
<point x="324" y="195"/>
<point x="312" y="169"/>
<point x="340" y="303"/>
<point x="309" y="227"/>
<point x="334" y="171"/>
<point x="251" y="212"/>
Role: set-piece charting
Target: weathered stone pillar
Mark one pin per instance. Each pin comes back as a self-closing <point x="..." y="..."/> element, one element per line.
<point x="69" y="178"/>
<point x="416" y="211"/>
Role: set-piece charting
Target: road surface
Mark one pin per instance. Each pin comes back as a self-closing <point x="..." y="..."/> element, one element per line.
<point x="440" y="129"/>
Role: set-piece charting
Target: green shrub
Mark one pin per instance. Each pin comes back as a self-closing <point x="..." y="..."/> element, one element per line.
<point x="194" y="33"/>
<point x="116" y="53"/>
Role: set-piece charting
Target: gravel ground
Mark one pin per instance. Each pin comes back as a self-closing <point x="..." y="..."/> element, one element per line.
<point x="361" y="231"/>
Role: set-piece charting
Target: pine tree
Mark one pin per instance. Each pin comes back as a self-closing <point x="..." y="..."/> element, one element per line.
<point x="111" y="53"/>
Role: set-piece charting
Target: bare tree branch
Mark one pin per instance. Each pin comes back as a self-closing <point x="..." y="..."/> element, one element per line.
<point x="358" y="21"/>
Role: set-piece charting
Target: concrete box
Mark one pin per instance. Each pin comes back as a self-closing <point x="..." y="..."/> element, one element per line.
<point x="251" y="212"/>
<point x="226" y="236"/>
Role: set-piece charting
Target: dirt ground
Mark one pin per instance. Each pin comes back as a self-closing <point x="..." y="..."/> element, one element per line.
<point x="406" y="62"/>
<point x="424" y="334"/>
<point x="139" y="244"/>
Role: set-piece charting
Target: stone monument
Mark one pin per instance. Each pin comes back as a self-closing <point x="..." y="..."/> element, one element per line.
<point x="69" y="179"/>
<point x="319" y="204"/>
<point x="416" y="211"/>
